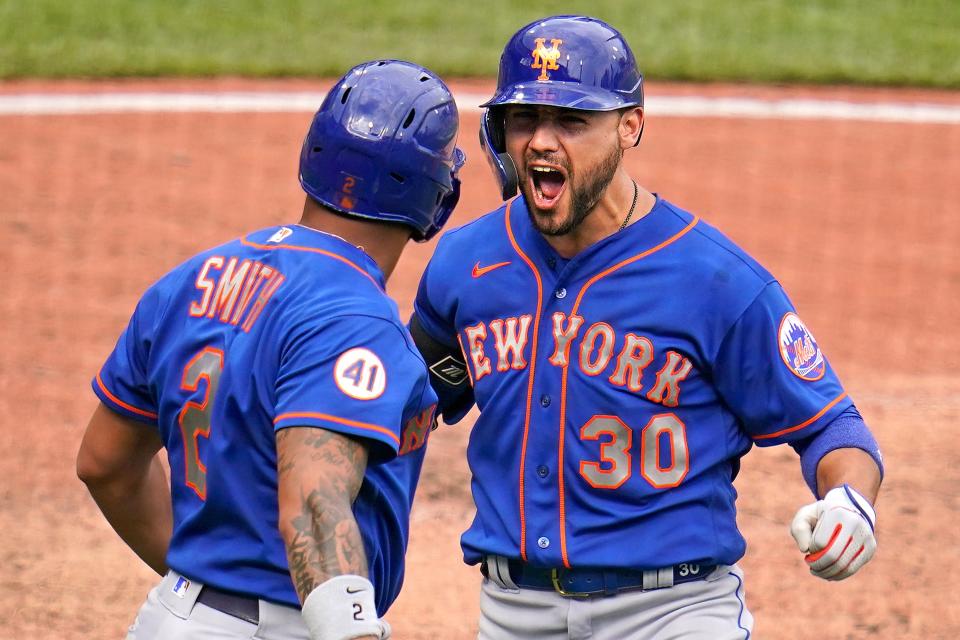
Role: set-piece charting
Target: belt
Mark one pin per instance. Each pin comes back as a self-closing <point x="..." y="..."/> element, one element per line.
<point x="586" y="582"/>
<point x="233" y="604"/>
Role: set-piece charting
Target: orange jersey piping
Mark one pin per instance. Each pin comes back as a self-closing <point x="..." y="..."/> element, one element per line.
<point x="805" y="423"/>
<point x="566" y="369"/>
<point x="329" y="254"/>
<point x="119" y="402"/>
<point x="345" y="421"/>
<point x="533" y="366"/>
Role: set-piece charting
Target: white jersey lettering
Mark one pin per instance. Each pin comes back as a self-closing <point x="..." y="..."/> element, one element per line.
<point x="205" y="284"/>
<point x="510" y="342"/>
<point x="562" y="339"/>
<point x="604" y="350"/>
<point x="228" y="289"/>
<point x="475" y="337"/>
<point x="666" y="390"/>
<point x="636" y="354"/>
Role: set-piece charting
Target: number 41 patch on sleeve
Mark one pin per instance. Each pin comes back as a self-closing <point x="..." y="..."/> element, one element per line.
<point x="360" y="374"/>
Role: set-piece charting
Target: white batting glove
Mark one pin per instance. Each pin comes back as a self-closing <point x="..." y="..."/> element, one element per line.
<point x="836" y="533"/>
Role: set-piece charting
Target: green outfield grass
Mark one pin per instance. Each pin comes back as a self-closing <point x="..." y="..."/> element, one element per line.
<point x="900" y="42"/>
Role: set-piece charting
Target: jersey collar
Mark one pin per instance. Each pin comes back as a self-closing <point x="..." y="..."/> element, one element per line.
<point x="295" y="236"/>
<point x="649" y="231"/>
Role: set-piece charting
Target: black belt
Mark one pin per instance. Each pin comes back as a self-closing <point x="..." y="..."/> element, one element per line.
<point x="233" y="604"/>
<point x="585" y="582"/>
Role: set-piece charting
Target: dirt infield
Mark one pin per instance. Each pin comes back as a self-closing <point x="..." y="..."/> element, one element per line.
<point x="859" y="220"/>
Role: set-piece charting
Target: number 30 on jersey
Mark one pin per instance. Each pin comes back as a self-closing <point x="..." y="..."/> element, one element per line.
<point x="615" y="464"/>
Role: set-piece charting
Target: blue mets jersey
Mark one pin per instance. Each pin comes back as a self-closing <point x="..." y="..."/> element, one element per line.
<point x="286" y="327"/>
<point x="618" y="390"/>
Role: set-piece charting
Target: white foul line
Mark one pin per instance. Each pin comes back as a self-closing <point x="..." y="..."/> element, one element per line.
<point x="296" y="102"/>
<point x="796" y="109"/>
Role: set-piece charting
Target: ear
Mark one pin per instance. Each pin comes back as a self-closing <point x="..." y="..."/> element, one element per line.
<point x="630" y="127"/>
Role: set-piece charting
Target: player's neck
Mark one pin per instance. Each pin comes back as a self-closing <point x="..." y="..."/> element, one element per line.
<point x="382" y="241"/>
<point x="606" y="218"/>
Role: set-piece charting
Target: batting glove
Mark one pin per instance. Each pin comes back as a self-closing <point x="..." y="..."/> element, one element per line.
<point x="836" y="533"/>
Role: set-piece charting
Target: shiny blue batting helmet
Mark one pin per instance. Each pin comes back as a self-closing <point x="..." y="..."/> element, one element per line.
<point x="382" y="146"/>
<point x="575" y="62"/>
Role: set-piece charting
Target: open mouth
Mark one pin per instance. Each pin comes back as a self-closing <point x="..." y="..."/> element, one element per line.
<point x="548" y="185"/>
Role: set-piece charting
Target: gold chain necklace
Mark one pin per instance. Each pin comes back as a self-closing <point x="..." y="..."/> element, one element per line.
<point x="626" y="220"/>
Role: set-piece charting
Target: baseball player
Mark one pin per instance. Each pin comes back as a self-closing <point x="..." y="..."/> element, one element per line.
<point x="292" y="403"/>
<point x="624" y="355"/>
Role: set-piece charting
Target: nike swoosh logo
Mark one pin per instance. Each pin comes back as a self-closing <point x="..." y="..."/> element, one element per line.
<point x="349" y="590"/>
<point x="479" y="271"/>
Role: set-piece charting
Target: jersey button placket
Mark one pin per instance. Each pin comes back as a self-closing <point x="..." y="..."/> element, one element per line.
<point x="543" y="491"/>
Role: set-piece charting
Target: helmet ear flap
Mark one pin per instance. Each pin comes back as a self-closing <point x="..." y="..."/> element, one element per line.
<point x="449" y="202"/>
<point x="493" y="142"/>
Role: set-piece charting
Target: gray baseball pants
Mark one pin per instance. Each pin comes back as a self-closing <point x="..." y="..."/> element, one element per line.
<point x="172" y="613"/>
<point x="708" y="609"/>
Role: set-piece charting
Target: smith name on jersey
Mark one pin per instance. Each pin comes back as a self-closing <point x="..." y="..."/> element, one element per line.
<point x="640" y="371"/>
<point x="287" y="327"/>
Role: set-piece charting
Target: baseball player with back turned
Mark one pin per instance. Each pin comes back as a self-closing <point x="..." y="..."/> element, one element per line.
<point x="624" y="355"/>
<point x="291" y="401"/>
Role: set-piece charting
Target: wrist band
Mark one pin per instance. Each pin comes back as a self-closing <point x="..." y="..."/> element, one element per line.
<point x="341" y="608"/>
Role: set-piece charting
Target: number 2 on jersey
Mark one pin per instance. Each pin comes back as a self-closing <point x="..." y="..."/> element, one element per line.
<point x="614" y="466"/>
<point x="194" y="417"/>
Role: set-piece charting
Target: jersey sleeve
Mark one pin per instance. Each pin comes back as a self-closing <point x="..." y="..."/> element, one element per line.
<point x="434" y="331"/>
<point x="122" y="382"/>
<point x="433" y="305"/>
<point x="773" y="375"/>
<point x="357" y="375"/>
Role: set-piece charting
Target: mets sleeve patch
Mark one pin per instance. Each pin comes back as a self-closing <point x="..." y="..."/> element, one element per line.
<point x="799" y="350"/>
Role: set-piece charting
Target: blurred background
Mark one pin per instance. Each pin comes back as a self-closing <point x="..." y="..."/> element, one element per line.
<point x="888" y="42"/>
<point x="822" y="136"/>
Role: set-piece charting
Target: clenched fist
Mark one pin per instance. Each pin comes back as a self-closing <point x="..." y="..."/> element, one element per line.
<point x="836" y="533"/>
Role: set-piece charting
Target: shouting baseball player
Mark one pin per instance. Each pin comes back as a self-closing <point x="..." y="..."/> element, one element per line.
<point x="624" y="355"/>
<point x="291" y="401"/>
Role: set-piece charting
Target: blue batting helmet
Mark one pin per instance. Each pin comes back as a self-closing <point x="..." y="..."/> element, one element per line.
<point x="575" y="62"/>
<point x="382" y="146"/>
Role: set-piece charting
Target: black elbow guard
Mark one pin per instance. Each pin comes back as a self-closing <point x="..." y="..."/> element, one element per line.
<point x="448" y="374"/>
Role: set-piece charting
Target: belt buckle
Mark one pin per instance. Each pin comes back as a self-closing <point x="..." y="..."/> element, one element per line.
<point x="555" y="578"/>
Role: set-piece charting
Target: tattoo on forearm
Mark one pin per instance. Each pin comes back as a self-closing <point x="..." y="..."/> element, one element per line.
<point x="326" y="540"/>
<point x="351" y="557"/>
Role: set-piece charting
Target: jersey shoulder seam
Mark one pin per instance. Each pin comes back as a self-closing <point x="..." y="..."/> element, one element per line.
<point x="392" y="322"/>
<point x="397" y="326"/>
<point x="726" y="334"/>
<point x="468" y="225"/>
<point x="765" y="278"/>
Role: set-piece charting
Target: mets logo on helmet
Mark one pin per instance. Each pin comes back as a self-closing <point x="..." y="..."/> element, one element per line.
<point x="799" y="350"/>
<point x="545" y="59"/>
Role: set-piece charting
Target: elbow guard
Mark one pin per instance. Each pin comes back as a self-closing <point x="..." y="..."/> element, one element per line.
<point x="448" y="374"/>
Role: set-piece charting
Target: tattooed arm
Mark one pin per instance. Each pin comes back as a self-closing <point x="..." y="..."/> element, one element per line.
<point x="320" y="473"/>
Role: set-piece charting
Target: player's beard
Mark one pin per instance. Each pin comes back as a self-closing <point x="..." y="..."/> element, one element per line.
<point x="585" y="193"/>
